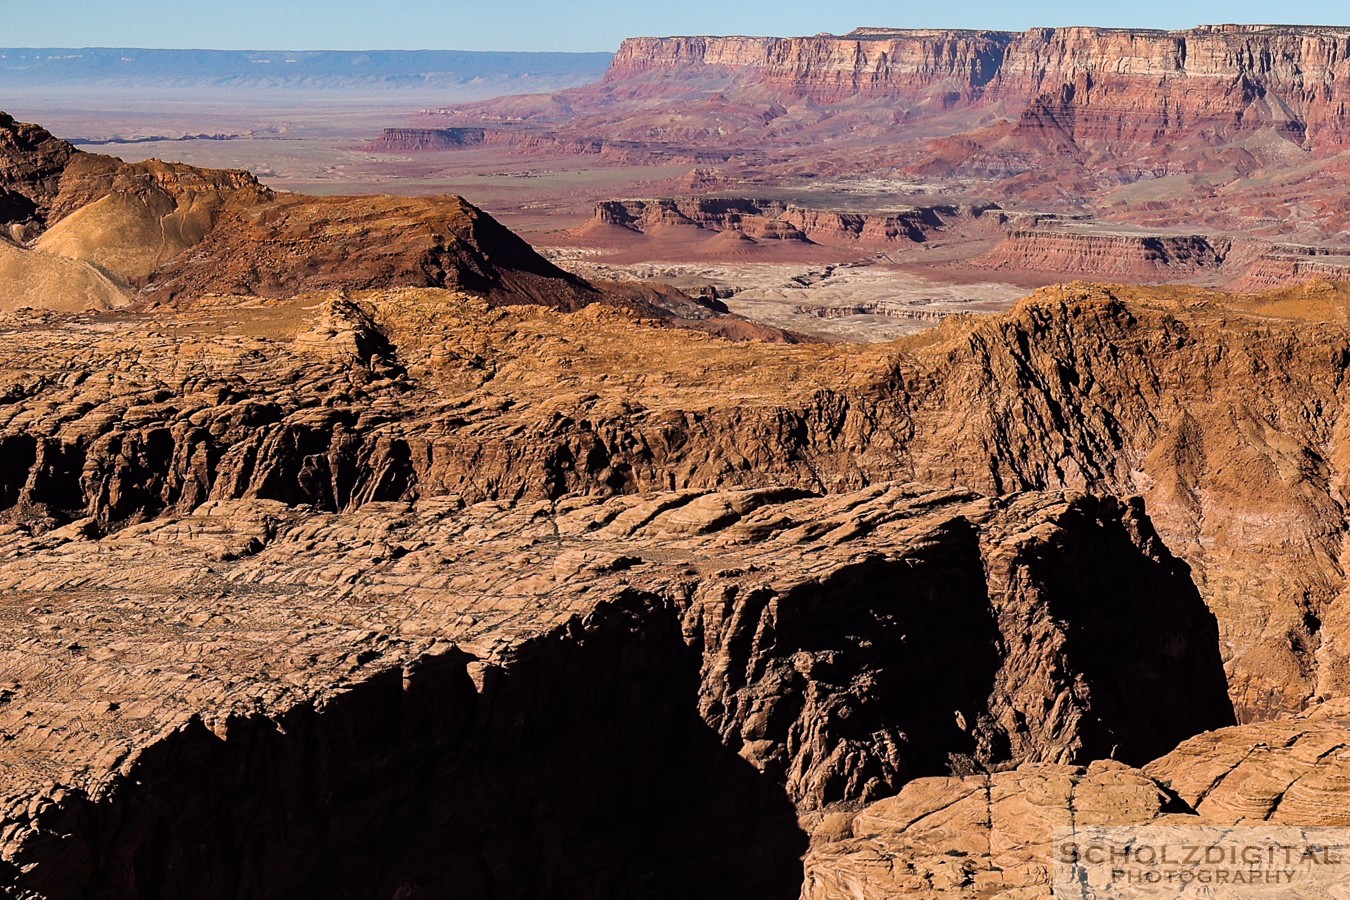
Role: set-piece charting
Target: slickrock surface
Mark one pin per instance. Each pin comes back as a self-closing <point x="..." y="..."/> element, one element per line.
<point x="1291" y="76"/>
<point x="1225" y="413"/>
<point x="986" y="836"/>
<point x="1091" y="83"/>
<point x="839" y="645"/>
<point x="412" y="538"/>
<point x="990" y="835"/>
<point x="1286" y="772"/>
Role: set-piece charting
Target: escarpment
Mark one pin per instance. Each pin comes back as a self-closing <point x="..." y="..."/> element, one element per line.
<point x="416" y="140"/>
<point x="771" y="220"/>
<point x="1101" y="252"/>
<point x="1097" y="84"/>
<point x="1239" y="129"/>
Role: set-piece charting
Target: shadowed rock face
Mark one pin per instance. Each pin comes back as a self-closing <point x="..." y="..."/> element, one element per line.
<point x="427" y="393"/>
<point x="32" y="161"/>
<point x="582" y="771"/>
<point x="564" y="699"/>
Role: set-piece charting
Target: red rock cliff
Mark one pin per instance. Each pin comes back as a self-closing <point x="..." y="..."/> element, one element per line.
<point x="1096" y="83"/>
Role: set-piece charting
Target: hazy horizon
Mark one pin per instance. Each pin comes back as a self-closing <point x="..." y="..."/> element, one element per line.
<point x="534" y="26"/>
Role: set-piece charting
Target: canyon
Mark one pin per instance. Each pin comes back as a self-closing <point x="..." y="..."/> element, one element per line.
<point x="931" y="440"/>
<point x="1228" y="136"/>
<point x="750" y="538"/>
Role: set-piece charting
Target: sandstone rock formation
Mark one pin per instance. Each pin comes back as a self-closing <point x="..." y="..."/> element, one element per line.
<point x="1122" y="391"/>
<point x="1091" y="84"/>
<point x="990" y="835"/>
<point x="771" y="220"/>
<point x="1105" y="253"/>
<point x="363" y="492"/>
<point x="417" y="140"/>
<point x="1237" y="128"/>
<point x="296" y="244"/>
<point x="513" y="674"/>
<point x="367" y="528"/>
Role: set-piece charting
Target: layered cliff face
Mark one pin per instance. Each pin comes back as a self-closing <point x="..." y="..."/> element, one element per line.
<point x="417" y="140"/>
<point x="776" y="221"/>
<point x="1282" y="264"/>
<point x="939" y="67"/>
<point x="1238" y="127"/>
<point x="1097" y="84"/>
<point x="1101" y="252"/>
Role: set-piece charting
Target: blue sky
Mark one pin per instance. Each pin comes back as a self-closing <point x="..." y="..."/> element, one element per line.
<point x="559" y="25"/>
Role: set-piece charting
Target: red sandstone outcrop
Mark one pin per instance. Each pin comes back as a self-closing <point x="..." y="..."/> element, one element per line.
<point x="943" y="67"/>
<point x="295" y="244"/>
<point x="1097" y="84"/>
<point x="773" y="220"/>
<point x="1103" y="252"/>
<point x="1061" y="118"/>
<point x="1285" y="264"/>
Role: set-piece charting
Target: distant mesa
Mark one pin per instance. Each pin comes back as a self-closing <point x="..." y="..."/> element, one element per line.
<point x="416" y="140"/>
<point x="772" y="220"/>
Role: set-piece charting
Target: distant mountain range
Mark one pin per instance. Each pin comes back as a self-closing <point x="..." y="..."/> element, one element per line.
<point x="294" y="69"/>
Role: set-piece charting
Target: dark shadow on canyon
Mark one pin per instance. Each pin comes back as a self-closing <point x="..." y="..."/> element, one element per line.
<point x="581" y="771"/>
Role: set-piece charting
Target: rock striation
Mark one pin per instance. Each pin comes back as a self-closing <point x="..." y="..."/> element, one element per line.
<point x="364" y="492"/>
<point x="1082" y="388"/>
<point x="513" y="674"/>
<point x="769" y="220"/>
<point x="990" y="835"/>
<point x="1103" y="252"/>
<point x="1236" y="128"/>
<point x="413" y="536"/>
<point x="1095" y="84"/>
<point x="418" y="140"/>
